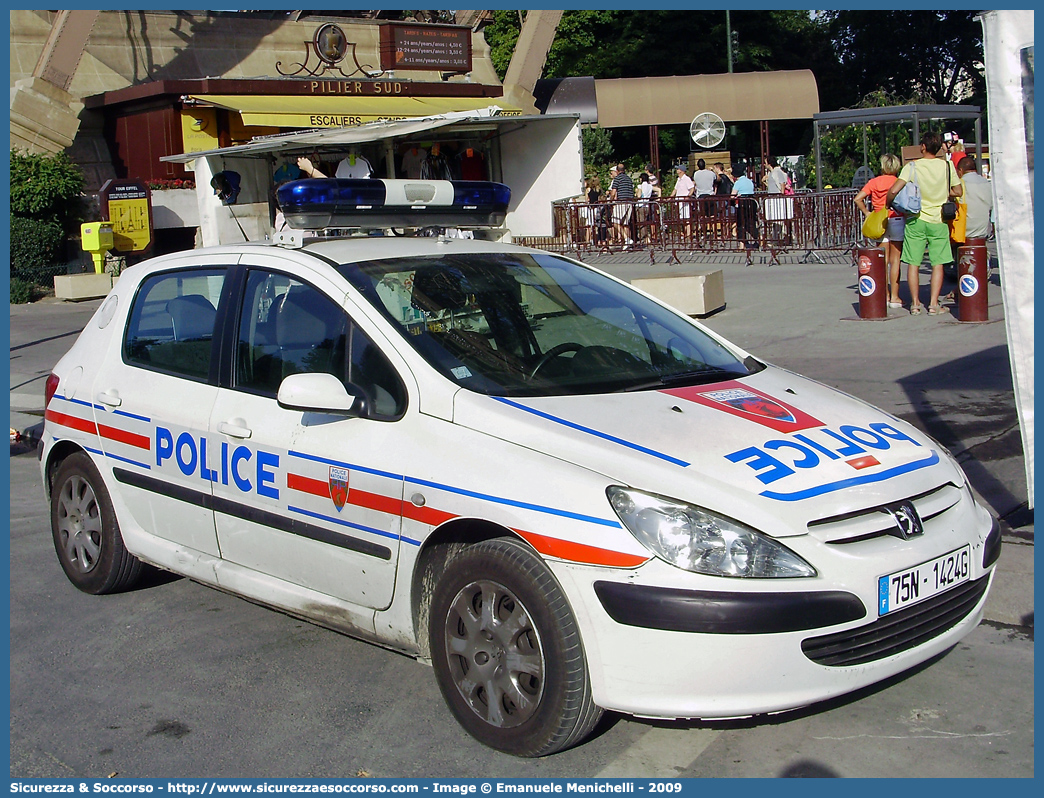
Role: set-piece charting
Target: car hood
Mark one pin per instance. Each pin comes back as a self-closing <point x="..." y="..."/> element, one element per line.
<point x="774" y="449"/>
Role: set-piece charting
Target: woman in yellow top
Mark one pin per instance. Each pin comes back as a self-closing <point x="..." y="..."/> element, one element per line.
<point x="938" y="182"/>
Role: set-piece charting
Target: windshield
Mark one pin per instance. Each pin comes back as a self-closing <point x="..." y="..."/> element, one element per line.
<point x="518" y="324"/>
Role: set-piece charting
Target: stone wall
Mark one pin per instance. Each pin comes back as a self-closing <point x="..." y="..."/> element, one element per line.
<point x="126" y="48"/>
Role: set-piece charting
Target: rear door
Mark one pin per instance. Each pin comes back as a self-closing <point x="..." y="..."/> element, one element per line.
<point x="153" y="397"/>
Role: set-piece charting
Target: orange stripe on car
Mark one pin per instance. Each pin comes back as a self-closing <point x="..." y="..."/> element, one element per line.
<point x="112" y="433"/>
<point x="426" y="515"/>
<point x="315" y="487"/>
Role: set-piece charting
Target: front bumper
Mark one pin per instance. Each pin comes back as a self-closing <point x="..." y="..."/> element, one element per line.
<point x="665" y="643"/>
<point x="668" y="674"/>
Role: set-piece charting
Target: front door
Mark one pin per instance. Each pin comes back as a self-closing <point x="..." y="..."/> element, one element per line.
<point x="310" y="498"/>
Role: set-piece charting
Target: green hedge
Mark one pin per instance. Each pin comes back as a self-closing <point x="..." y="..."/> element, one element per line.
<point x="46" y="187"/>
<point x="46" y="203"/>
<point x="22" y="291"/>
<point x="36" y="250"/>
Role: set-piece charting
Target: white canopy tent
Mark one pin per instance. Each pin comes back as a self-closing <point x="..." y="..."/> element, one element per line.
<point x="1008" y="47"/>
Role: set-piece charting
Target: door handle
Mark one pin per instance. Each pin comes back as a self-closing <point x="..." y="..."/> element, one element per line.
<point x="235" y="427"/>
<point x="110" y="397"/>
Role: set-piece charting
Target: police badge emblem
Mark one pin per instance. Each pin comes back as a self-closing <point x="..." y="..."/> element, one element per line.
<point x="338" y="486"/>
<point x="753" y="403"/>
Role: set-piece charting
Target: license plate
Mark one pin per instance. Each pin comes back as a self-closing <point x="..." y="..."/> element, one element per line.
<point x="923" y="581"/>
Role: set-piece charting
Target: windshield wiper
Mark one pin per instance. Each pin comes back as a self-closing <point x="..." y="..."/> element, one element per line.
<point x="701" y="376"/>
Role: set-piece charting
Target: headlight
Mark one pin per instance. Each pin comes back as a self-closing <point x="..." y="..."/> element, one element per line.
<point x="699" y="540"/>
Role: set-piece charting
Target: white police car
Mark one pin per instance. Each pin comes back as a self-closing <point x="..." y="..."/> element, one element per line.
<point x="566" y="496"/>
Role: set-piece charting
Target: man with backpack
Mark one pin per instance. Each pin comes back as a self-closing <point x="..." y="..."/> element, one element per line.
<point x="938" y="182"/>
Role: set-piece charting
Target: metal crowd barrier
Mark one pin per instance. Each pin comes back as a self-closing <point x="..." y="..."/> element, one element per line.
<point x="805" y="222"/>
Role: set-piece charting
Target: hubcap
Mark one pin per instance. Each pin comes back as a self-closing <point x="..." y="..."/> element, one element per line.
<point x="495" y="654"/>
<point x="79" y="524"/>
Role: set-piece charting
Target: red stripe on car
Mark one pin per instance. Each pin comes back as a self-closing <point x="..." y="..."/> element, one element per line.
<point x="579" y="552"/>
<point x="356" y="497"/>
<point x="73" y="422"/>
<point x="122" y="436"/>
<point x="863" y="462"/>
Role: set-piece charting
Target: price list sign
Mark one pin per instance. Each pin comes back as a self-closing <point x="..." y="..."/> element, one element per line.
<point x="127" y="205"/>
<point x="444" y="48"/>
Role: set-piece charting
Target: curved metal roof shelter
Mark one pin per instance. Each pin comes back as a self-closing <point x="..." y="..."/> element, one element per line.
<point x="676" y="99"/>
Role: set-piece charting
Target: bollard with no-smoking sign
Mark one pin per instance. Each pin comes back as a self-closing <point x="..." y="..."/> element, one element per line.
<point x="972" y="284"/>
<point x="873" y="283"/>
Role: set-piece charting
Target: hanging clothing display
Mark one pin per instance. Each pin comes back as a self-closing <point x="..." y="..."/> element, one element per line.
<point x="472" y="165"/>
<point x="354" y="166"/>
<point x="413" y="161"/>
<point x="436" y="166"/>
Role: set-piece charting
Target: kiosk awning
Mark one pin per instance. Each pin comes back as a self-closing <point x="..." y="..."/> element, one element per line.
<point x="293" y="111"/>
<point x="487" y="119"/>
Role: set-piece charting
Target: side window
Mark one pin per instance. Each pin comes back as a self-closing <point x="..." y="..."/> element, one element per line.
<point x="171" y="325"/>
<point x="288" y="327"/>
<point x="370" y="371"/>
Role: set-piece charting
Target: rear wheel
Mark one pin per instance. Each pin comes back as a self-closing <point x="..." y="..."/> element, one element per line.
<point x="507" y="653"/>
<point x="86" y="535"/>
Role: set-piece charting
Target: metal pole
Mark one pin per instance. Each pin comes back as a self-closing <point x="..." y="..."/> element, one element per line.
<point x="978" y="144"/>
<point x="728" y="38"/>
<point x="654" y="148"/>
<point x="819" y="166"/>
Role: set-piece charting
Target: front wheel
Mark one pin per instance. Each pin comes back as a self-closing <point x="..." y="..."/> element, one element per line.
<point x="507" y="653"/>
<point x="86" y="535"/>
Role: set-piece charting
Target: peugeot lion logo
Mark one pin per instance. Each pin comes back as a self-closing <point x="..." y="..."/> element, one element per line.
<point x="907" y="522"/>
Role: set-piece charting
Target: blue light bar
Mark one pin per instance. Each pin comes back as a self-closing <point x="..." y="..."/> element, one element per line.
<point x="371" y="203"/>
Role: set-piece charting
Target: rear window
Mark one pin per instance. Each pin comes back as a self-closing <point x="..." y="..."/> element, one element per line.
<point x="171" y="324"/>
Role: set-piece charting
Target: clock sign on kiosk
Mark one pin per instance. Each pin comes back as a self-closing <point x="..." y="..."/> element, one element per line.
<point x="564" y="495"/>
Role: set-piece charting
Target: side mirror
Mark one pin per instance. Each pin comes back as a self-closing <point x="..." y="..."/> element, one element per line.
<point x="318" y="392"/>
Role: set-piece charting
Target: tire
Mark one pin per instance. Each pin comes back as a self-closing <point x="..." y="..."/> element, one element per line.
<point x="86" y="535"/>
<point x="507" y="653"/>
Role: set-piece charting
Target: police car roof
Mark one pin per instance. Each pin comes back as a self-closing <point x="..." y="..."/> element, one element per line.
<point x="359" y="248"/>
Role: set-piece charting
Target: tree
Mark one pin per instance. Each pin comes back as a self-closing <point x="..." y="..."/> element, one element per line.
<point x="45" y="186"/>
<point x="598" y="147"/>
<point x="647" y="43"/>
<point x="921" y="56"/>
<point x="45" y="204"/>
<point x="935" y="56"/>
<point x="841" y="148"/>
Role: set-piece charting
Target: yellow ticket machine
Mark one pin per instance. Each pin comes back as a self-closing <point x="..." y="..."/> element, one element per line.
<point x="96" y="238"/>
